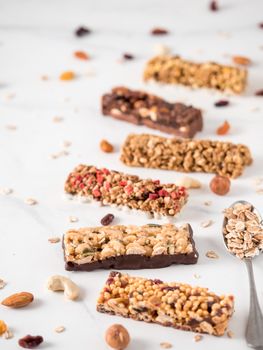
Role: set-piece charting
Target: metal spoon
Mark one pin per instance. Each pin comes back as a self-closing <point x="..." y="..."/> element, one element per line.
<point x="254" y="331"/>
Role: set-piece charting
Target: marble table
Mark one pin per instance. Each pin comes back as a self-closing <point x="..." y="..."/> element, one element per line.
<point x="37" y="116"/>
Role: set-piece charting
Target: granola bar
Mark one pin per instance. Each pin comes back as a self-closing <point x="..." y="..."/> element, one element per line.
<point x="243" y="231"/>
<point x="150" y="151"/>
<point x="140" y="108"/>
<point x="169" y="304"/>
<point x="129" y="247"/>
<point x="175" y="70"/>
<point x="116" y="188"/>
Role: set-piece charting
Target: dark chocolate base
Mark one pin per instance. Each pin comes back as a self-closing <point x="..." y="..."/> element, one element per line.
<point x="135" y="261"/>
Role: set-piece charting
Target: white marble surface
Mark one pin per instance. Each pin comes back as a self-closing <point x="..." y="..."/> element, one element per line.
<point x="36" y="38"/>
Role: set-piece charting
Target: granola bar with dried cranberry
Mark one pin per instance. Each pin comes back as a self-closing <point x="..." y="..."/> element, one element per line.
<point x="115" y="188"/>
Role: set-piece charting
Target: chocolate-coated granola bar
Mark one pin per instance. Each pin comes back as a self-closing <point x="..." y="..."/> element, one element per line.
<point x="175" y="70"/>
<point x="150" y="151"/>
<point x="140" y="108"/>
<point x="129" y="247"/>
<point x="169" y="304"/>
<point x="115" y="188"/>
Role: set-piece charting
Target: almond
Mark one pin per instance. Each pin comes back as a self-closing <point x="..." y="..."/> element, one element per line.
<point x="106" y="147"/>
<point x="242" y="60"/>
<point x="18" y="300"/>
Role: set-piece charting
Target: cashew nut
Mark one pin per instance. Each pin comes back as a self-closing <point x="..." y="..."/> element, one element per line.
<point x="188" y="182"/>
<point x="61" y="283"/>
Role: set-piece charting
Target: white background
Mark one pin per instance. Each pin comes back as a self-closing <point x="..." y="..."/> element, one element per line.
<point x="36" y="38"/>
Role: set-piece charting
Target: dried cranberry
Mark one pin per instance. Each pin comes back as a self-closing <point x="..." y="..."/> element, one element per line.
<point x="128" y="56"/>
<point x="153" y="196"/>
<point x="213" y="6"/>
<point x="107" y="219"/>
<point x="157" y="281"/>
<point x="261" y="25"/>
<point x="30" y="341"/>
<point x="259" y="93"/>
<point x="221" y="103"/>
<point x="159" y="31"/>
<point x="82" y="31"/>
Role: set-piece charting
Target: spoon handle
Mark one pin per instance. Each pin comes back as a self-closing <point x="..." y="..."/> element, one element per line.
<point x="254" y="331"/>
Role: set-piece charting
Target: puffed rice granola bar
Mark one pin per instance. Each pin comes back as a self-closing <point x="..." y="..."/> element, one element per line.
<point x="151" y="151"/>
<point x="169" y="304"/>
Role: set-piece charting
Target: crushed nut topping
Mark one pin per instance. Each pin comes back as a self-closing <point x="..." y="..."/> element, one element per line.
<point x="190" y="155"/>
<point x="98" y="243"/>
<point x="211" y="254"/>
<point x="175" y="70"/>
<point x="243" y="231"/>
<point x="175" y="304"/>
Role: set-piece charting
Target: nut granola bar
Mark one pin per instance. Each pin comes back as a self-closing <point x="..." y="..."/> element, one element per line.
<point x="140" y="108"/>
<point x="115" y="188"/>
<point x="129" y="247"/>
<point x="150" y="151"/>
<point x="175" y="70"/>
<point x="169" y="304"/>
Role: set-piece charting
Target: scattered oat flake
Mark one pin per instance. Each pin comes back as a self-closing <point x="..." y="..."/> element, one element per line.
<point x="54" y="239"/>
<point x="230" y="334"/>
<point x="208" y="203"/>
<point x="198" y="337"/>
<point x="166" y="345"/>
<point x="59" y="154"/>
<point x="223" y="129"/>
<point x="2" y="283"/>
<point x="259" y="191"/>
<point x="242" y="60"/>
<point x="81" y="55"/>
<point x="57" y="119"/>
<point x="8" y="334"/>
<point x="197" y="276"/>
<point x="73" y="219"/>
<point x="211" y="254"/>
<point x="6" y="191"/>
<point x="207" y="223"/>
<point x="59" y="329"/>
<point x="68" y="75"/>
<point x="161" y="50"/>
<point x="66" y="143"/>
<point x="31" y="201"/>
<point x="258" y="181"/>
<point x="11" y="127"/>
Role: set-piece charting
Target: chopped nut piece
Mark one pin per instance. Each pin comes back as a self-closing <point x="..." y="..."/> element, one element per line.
<point x="68" y="75"/>
<point x="31" y="201"/>
<point x="54" y="239"/>
<point x="211" y="254"/>
<point x="189" y="182"/>
<point x="3" y="327"/>
<point x="73" y="219"/>
<point x="60" y="329"/>
<point x="6" y="190"/>
<point x="81" y="55"/>
<point x="230" y="334"/>
<point x="162" y="50"/>
<point x="2" y="283"/>
<point x="166" y="345"/>
<point x="8" y="334"/>
<point x="220" y="185"/>
<point x="106" y="147"/>
<point x="206" y="223"/>
<point x="117" y="337"/>
<point x="223" y="129"/>
<point x="198" y="337"/>
<point x="244" y="61"/>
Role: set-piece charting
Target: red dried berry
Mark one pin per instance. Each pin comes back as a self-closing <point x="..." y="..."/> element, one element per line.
<point x="82" y="31"/>
<point x="213" y="6"/>
<point x="107" y="219"/>
<point x="259" y="93"/>
<point x="261" y="25"/>
<point x="153" y="196"/>
<point x="159" y="31"/>
<point x="128" y="56"/>
<point x="221" y="103"/>
<point x="30" y="341"/>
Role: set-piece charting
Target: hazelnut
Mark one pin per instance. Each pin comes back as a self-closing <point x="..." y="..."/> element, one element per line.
<point x="117" y="337"/>
<point x="106" y="147"/>
<point x="220" y="185"/>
